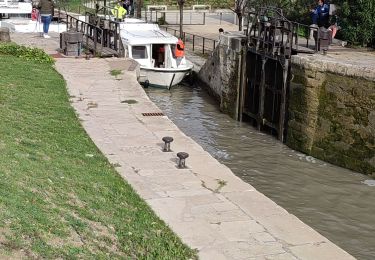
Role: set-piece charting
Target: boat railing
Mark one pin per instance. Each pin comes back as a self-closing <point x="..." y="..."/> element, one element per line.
<point x="198" y="44"/>
<point x="101" y="36"/>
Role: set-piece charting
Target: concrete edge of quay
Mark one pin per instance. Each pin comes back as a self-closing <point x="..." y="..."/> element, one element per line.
<point x="326" y="63"/>
<point x="206" y="205"/>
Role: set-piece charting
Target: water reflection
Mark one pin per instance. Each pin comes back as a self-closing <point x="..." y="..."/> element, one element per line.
<point x="336" y="202"/>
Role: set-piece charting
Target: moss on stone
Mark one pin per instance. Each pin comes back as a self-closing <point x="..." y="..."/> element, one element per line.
<point x="298" y="79"/>
<point x="341" y="134"/>
<point x="344" y="144"/>
<point x="228" y="102"/>
<point x="297" y="100"/>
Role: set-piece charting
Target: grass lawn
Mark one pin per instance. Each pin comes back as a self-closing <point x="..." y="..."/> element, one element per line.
<point x="59" y="196"/>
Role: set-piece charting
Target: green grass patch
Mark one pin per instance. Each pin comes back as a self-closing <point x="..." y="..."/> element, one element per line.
<point x="55" y="200"/>
<point x="116" y="73"/>
<point x="27" y="53"/>
<point x="129" y="101"/>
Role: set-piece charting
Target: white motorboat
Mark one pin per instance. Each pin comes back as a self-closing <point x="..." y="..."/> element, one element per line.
<point x="155" y="51"/>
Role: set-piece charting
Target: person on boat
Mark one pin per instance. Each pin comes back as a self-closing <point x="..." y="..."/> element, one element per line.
<point x="320" y="14"/>
<point x="180" y="51"/>
<point x="46" y="9"/>
<point x="160" y="58"/>
<point x="119" y="12"/>
<point x="180" y="48"/>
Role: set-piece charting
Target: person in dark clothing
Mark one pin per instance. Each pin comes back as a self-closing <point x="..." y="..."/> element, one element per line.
<point x="126" y="5"/>
<point x="320" y="14"/>
<point x="46" y="8"/>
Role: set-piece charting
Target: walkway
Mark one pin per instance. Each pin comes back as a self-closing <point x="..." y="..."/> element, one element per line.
<point x="206" y="204"/>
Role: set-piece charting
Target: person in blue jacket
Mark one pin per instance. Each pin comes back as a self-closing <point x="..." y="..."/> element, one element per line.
<point x="320" y="14"/>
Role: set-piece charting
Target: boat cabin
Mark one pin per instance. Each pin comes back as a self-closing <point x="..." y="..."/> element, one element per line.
<point x="150" y="46"/>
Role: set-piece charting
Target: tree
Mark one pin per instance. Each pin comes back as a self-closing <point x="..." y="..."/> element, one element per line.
<point x="181" y="5"/>
<point x="139" y="5"/>
<point x="358" y="21"/>
<point x="283" y="4"/>
<point x="239" y="10"/>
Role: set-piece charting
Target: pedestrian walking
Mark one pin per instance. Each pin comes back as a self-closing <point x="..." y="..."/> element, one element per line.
<point x="46" y="10"/>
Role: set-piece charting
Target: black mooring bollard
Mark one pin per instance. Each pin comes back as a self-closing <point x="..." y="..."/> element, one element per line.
<point x="182" y="156"/>
<point x="167" y="143"/>
<point x="87" y="55"/>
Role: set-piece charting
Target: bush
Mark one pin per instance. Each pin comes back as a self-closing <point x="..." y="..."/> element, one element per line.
<point x="358" y="21"/>
<point x="356" y="17"/>
<point x="27" y="53"/>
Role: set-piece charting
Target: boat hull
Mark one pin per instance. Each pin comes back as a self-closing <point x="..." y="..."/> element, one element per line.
<point x="161" y="77"/>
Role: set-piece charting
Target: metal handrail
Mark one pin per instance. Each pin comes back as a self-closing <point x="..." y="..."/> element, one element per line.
<point x="192" y="41"/>
<point x="154" y="16"/>
<point x="89" y="31"/>
<point x="101" y="35"/>
<point x="296" y="29"/>
<point x="267" y="22"/>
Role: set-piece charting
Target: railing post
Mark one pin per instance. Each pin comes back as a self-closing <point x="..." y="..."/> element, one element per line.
<point x="214" y="45"/>
<point x="87" y="36"/>
<point x="95" y="40"/>
<point x="193" y="41"/>
<point x="184" y="37"/>
<point x="203" y="46"/>
<point x="116" y="37"/>
<point x="204" y="18"/>
<point x="296" y="40"/>
<point x="101" y="40"/>
<point x="317" y="42"/>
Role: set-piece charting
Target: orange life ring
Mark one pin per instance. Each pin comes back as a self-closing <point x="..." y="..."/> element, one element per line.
<point x="180" y="49"/>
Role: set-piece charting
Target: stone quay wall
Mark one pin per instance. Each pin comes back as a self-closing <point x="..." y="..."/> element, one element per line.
<point x="332" y="112"/>
<point x="221" y="77"/>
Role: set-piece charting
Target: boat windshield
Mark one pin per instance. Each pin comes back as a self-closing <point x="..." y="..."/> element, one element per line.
<point x="139" y="52"/>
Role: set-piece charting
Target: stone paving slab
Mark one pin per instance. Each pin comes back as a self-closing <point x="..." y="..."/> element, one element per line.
<point x="345" y="62"/>
<point x="228" y="221"/>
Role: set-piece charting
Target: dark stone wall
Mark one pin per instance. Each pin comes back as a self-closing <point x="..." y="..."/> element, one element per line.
<point x="332" y="117"/>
